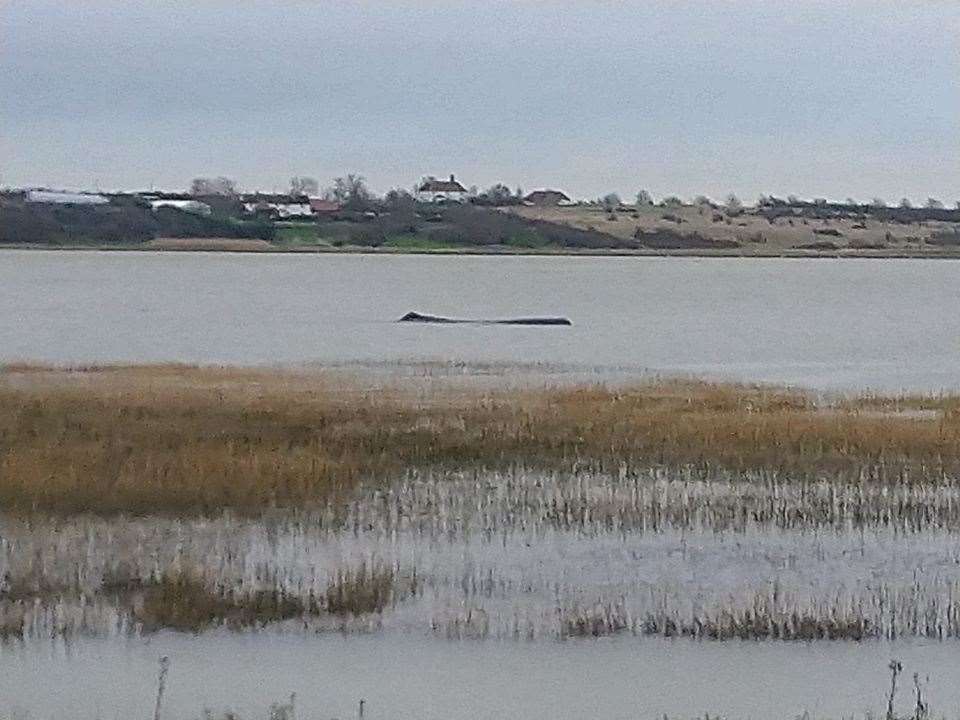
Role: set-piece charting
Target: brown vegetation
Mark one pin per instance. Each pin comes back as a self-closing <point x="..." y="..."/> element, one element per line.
<point x="361" y="591"/>
<point x="172" y="439"/>
<point x="699" y="230"/>
<point x="182" y="602"/>
<point x="183" y="599"/>
<point x="208" y="244"/>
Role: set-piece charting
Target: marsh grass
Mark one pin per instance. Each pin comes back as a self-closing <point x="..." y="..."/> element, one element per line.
<point x="135" y="499"/>
<point x="184" y="603"/>
<point x="361" y="591"/>
<point x="183" y="600"/>
<point x="182" y="440"/>
<point x="530" y="555"/>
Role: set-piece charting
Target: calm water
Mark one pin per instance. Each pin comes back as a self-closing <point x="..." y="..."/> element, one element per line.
<point x="405" y="678"/>
<point x="824" y="323"/>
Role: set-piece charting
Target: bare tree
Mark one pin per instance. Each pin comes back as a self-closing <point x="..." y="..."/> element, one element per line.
<point x="351" y="192"/>
<point x="303" y="185"/>
<point x="733" y="205"/>
<point x="878" y="203"/>
<point x="905" y="203"/>
<point x="213" y="186"/>
<point x="398" y="198"/>
<point x="644" y="199"/>
<point x="496" y="195"/>
<point x="671" y="201"/>
<point x="934" y="204"/>
<point x="610" y="201"/>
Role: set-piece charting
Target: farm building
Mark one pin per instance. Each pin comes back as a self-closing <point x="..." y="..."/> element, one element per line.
<point x="438" y="191"/>
<point x="322" y="207"/>
<point x="191" y="206"/>
<point x="64" y="198"/>
<point x="277" y="206"/>
<point x="547" y="198"/>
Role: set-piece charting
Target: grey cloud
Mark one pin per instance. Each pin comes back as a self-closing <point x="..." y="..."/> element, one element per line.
<point x="678" y="97"/>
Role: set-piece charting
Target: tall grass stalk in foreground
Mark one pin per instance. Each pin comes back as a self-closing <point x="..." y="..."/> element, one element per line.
<point x="180" y="440"/>
<point x="161" y="685"/>
<point x="895" y="669"/>
<point x="287" y="711"/>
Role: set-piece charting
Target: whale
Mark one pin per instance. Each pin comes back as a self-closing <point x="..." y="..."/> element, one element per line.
<point x="422" y="318"/>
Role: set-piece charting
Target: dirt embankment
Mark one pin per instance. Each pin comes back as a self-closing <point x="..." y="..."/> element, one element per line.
<point x="706" y="230"/>
<point x="208" y="244"/>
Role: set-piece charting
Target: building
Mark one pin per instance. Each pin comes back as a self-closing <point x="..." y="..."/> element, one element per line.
<point x="64" y="198"/>
<point x="547" y="198"/>
<point x="324" y="208"/>
<point x="191" y="206"/>
<point x="432" y="190"/>
<point x="279" y="207"/>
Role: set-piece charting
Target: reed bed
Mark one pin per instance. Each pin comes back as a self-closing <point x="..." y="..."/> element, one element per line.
<point x="135" y="499"/>
<point x="123" y="603"/>
<point x="179" y="440"/>
<point x="518" y="556"/>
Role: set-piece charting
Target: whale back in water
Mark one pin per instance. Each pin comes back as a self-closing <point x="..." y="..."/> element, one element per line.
<point x="420" y="317"/>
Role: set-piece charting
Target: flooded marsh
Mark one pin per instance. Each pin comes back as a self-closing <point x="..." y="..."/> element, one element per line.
<point x="524" y="556"/>
<point x="144" y="503"/>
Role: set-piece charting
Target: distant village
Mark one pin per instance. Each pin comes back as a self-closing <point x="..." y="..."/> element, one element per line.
<point x="302" y="202"/>
<point x="442" y="213"/>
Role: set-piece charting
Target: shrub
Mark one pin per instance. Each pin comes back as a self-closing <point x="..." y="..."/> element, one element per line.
<point x="123" y="221"/>
<point x="945" y="237"/>
<point x="820" y="245"/>
<point x="663" y="239"/>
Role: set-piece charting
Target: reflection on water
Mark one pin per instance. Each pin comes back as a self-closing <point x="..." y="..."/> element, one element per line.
<point x="531" y="557"/>
<point x="503" y="575"/>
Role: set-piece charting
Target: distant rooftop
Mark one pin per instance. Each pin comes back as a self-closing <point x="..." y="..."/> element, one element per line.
<point x="319" y="205"/>
<point x="65" y="198"/>
<point x="433" y="185"/>
<point x="542" y="197"/>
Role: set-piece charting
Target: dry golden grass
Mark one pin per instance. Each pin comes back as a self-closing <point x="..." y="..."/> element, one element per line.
<point x="209" y="244"/>
<point x="754" y="233"/>
<point x="361" y="591"/>
<point x="183" y="603"/>
<point x="182" y="440"/>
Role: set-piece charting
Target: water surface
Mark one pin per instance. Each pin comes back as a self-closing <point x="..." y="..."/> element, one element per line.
<point x="826" y="323"/>
<point x="410" y="678"/>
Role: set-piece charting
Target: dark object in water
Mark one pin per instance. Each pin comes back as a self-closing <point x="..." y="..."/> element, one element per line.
<point x="418" y="317"/>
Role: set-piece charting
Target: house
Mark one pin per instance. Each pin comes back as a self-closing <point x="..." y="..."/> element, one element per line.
<point x="324" y="208"/>
<point x="64" y="198"/>
<point x="280" y="207"/>
<point x="190" y="206"/>
<point x="432" y="190"/>
<point x="547" y="198"/>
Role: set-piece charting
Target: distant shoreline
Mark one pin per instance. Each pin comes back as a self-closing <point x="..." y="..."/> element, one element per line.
<point x="204" y="246"/>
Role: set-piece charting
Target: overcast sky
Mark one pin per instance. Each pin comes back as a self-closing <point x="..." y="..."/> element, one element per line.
<point x="829" y="99"/>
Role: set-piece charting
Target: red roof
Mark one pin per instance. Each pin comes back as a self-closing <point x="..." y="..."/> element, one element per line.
<point x="319" y="205"/>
